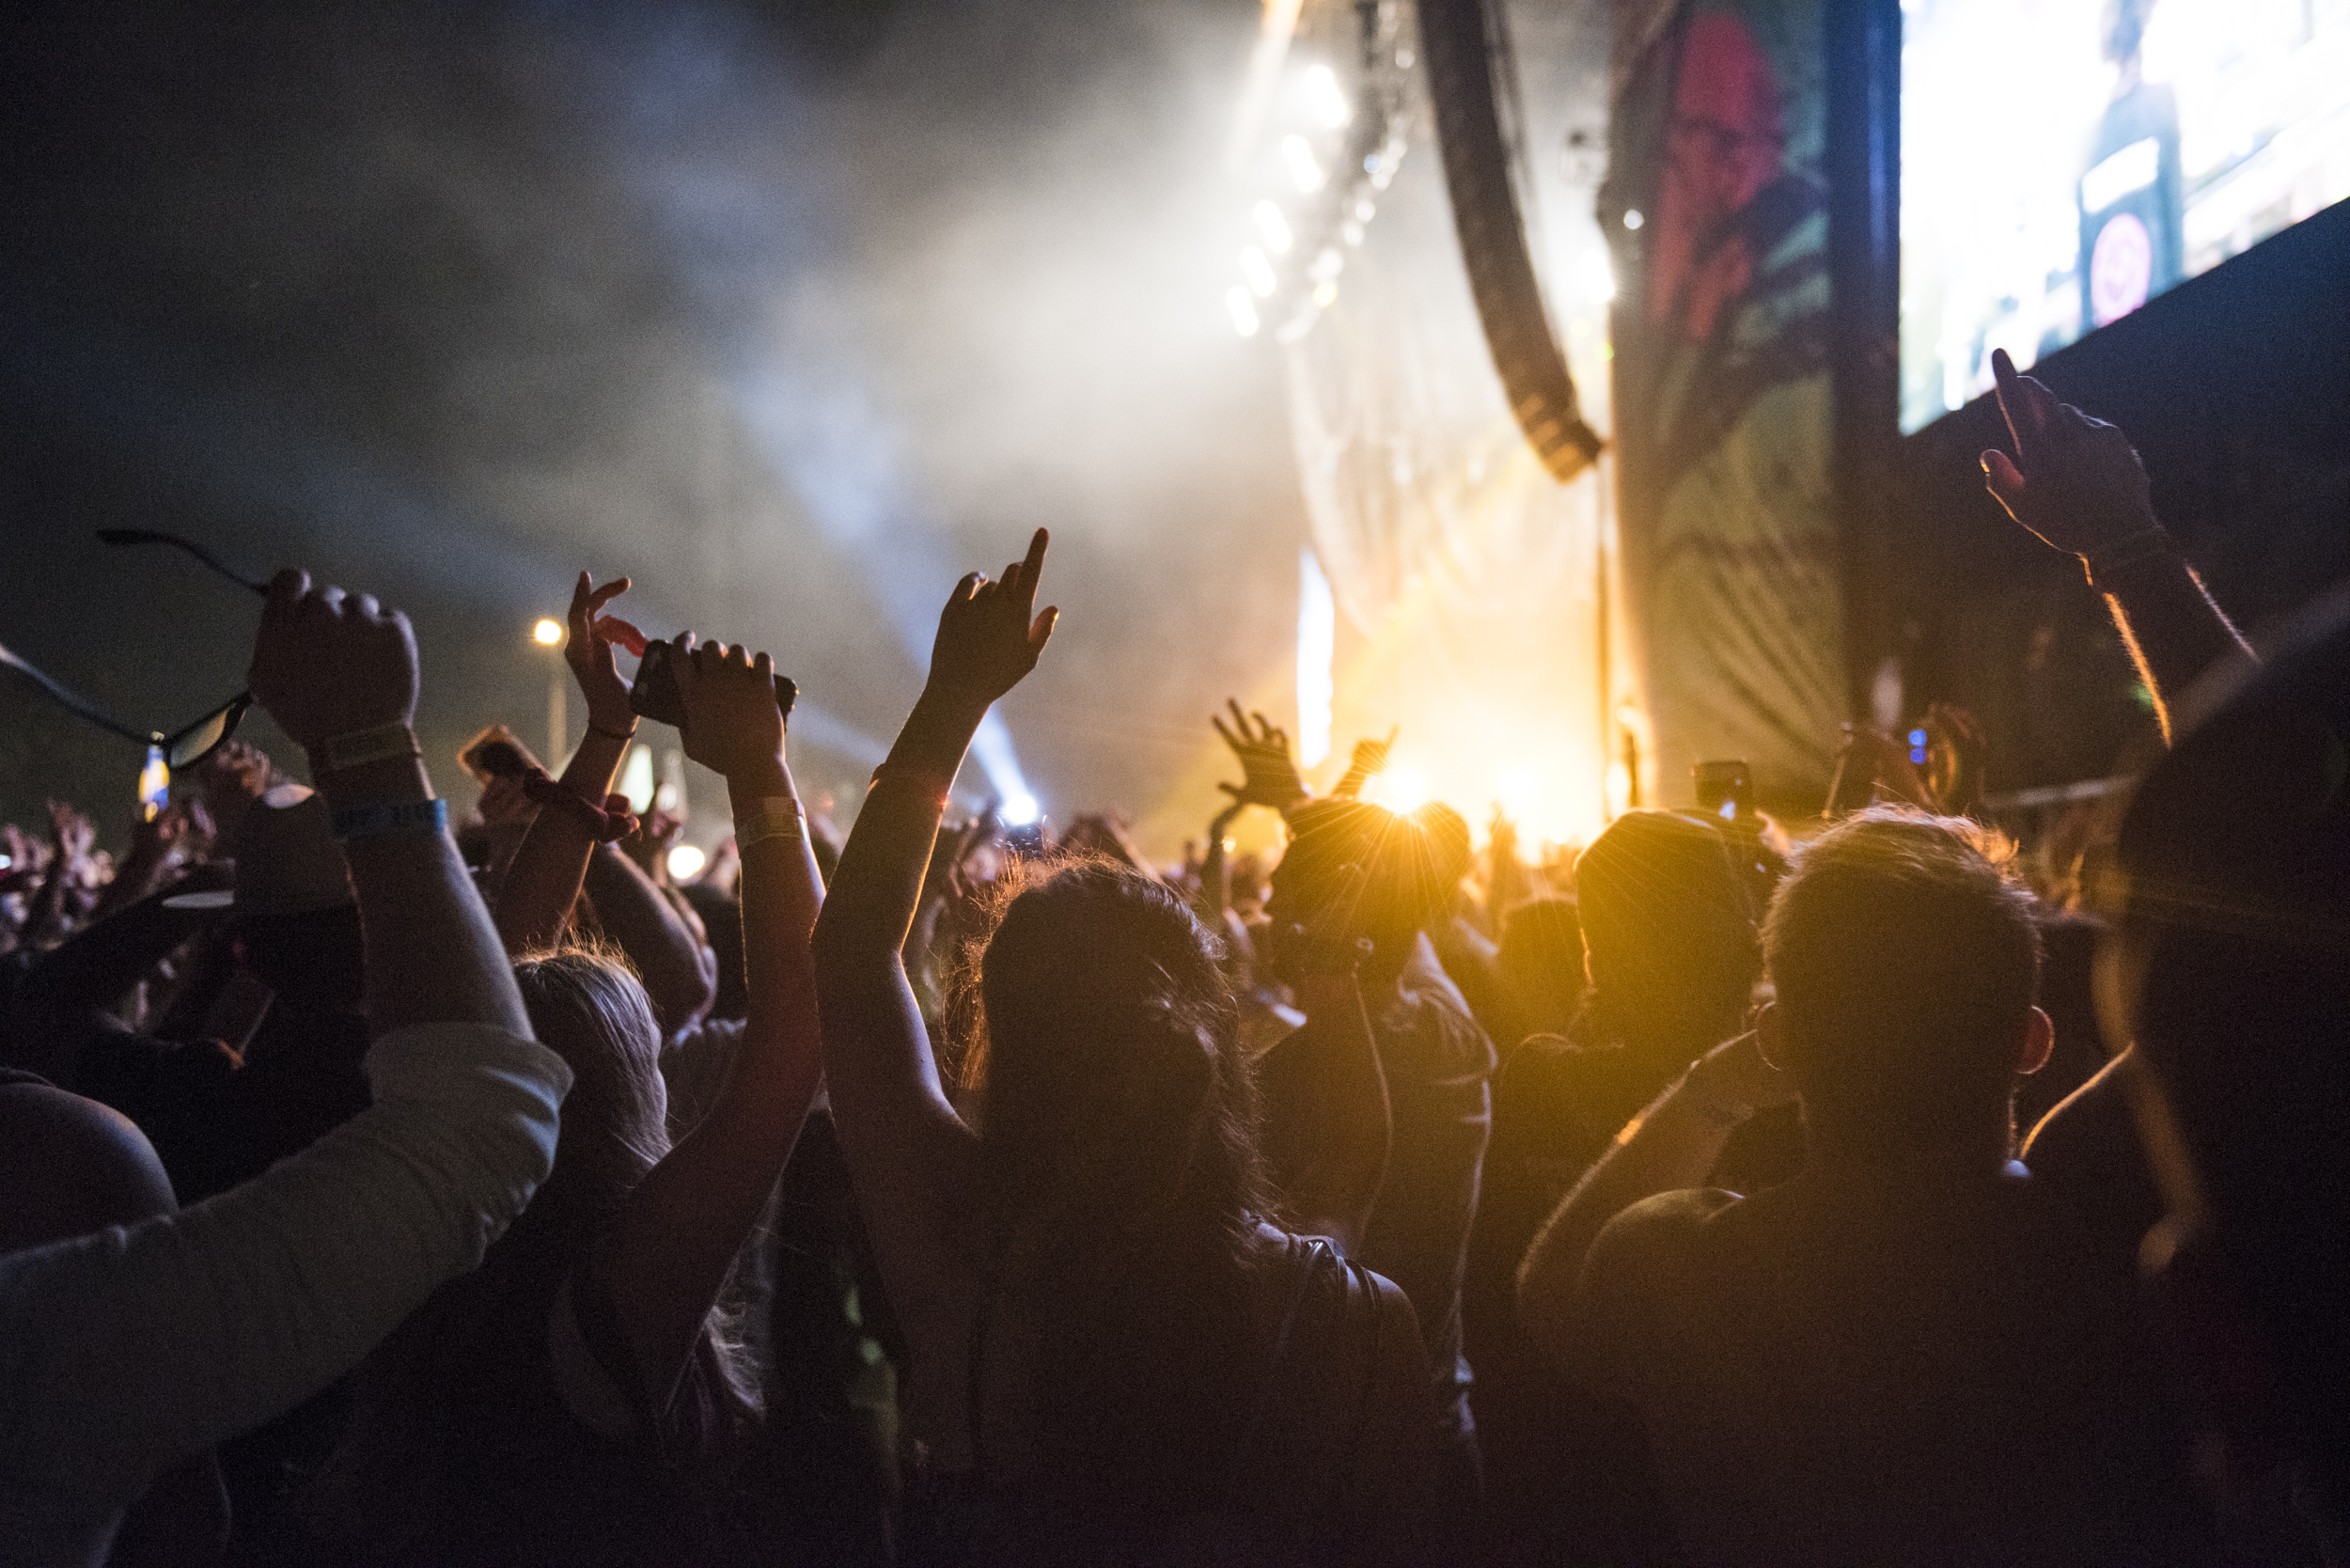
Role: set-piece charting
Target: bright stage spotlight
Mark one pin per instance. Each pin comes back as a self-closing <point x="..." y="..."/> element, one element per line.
<point x="1020" y="811"/>
<point x="1515" y="790"/>
<point x="1321" y="93"/>
<point x="687" y="863"/>
<point x="1275" y="228"/>
<point x="1304" y="167"/>
<point x="1244" y="311"/>
<point x="1258" y="271"/>
<point x="1399" y="789"/>
<point x="547" y="633"/>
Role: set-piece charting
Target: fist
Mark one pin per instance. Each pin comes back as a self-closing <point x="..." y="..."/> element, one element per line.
<point x="326" y="663"/>
<point x="732" y="724"/>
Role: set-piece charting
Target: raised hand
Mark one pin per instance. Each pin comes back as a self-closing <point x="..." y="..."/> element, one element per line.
<point x="990" y="633"/>
<point x="1369" y="761"/>
<point x="732" y="725"/>
<point x="588" y="651"/>
<point x="1269" y="774"/>
<point x="70" y="831"/>
<point x="2074" y="482"/>
<point x="327" y="664"/>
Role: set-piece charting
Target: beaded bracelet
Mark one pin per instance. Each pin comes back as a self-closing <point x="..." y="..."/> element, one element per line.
<point x="385" y="821"/>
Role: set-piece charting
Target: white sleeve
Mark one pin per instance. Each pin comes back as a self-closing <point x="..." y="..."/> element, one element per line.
<point x="131" y="1349"/>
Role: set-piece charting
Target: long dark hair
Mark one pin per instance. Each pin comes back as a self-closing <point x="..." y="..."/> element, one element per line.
<point x="395" y="1482"/>
<point x="1119" y="1142"/>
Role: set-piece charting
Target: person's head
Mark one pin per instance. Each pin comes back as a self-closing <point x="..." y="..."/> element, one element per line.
<point x="722" y="921"/>
<point x="1541" y="961"/>
<point x="2228" y="967"/>
<point x="1907" y="962"/>
<point x="1112" y="1077"/>
<point x="588" y="1008"/>
<point x="1669" y="944"/>
<point x="297" y="923"/>
<point x="1400" y="870"/>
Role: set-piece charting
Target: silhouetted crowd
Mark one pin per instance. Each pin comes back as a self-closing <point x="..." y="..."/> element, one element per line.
<point x="379" y="1188"/>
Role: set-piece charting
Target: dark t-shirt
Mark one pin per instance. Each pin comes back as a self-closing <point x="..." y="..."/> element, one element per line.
<point x="1900" y="1367"/>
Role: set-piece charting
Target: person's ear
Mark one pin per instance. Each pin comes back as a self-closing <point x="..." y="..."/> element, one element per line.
<point x="1770" y="1035"/>
<point x="2038" y="1043"/>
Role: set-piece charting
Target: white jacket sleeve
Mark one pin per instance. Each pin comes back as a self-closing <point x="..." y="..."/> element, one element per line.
<point x="131" y="1349"/>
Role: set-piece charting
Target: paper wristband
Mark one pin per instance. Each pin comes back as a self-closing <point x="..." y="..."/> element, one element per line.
<point x="773" y="817"/>
<point x="384" y="822"/>
<point x="379" y="744"/>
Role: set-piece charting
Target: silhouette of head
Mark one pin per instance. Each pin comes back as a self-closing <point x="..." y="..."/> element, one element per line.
<point x="1669" y="944"/>
<point x="1907" y="960"/>
<point x="1113" y="1079"/>
<point x="1402" y="871"/>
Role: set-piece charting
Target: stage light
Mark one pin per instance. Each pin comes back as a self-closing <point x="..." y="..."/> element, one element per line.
<point x="1322" y="91"/>
<point x="548" y="633"/>
<point x="1600" y="278"/>
<point x="1244" y="311"/>
<point x="687" y="863"/>
<point x="1406" y="788"/>
<point x="1631" y="218"/>
<point x="636" y="779"/>
<point x="1304" y="169"/>
<point x="1020" y="811"/>
<point x="1274" y="226"/>
<point x="1516" y="787"/>
<point x="1258" y="271"/>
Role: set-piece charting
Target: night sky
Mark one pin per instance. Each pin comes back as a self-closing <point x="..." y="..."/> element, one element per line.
<point x="793" y="313"/>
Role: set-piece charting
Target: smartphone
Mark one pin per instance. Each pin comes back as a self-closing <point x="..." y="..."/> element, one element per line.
<point x="496" y="754"/>
<point x="655" y="697"/>
<point x="1723" y="788"/>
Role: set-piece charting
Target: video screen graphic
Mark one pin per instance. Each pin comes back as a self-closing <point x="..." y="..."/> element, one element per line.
<point x="2065" y="161"/>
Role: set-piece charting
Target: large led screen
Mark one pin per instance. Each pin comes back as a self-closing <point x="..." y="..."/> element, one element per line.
<point x="2065" y="161"/>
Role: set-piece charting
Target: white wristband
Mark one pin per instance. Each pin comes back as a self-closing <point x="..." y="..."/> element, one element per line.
<point x="773" y="817"/>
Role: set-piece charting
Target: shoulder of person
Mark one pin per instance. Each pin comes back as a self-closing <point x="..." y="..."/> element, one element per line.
<point x="1631" y="1283"/>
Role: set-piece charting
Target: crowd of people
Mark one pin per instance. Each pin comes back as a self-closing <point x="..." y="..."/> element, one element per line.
<point x="380" y="1189"/>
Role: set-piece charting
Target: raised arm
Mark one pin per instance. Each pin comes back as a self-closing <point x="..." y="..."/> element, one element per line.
<point x="1669" y="1146"/>
<point x="535" y="900"/>
<point x="217" y="1318"/>
<point x="681" y="1227"/>
<point x="2078" y="483"/>
<point x="1370" y="759"/>
<point x="907" y="1151"/>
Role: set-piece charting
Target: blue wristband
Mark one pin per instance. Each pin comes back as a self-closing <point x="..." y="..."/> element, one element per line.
<point x="384" y="822"/>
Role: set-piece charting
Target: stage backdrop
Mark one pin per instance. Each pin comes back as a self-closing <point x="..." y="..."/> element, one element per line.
<point x="1715" y="208"/>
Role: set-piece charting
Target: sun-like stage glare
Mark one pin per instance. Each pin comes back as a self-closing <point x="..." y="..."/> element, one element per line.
<point x="687" y="863"/>
<point x="547" y="633"/>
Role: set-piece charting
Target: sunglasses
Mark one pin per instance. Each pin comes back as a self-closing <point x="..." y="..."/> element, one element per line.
<point x="191" y="743"/>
